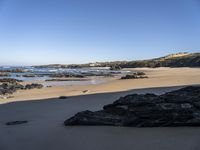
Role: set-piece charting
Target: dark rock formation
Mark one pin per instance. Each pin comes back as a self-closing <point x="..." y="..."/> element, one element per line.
<point x="9" y="80"/>
<point x="33" y="86"/>
<point x="16" y="122"/>
<point x="63" y="97"/>
<point x="66" y="75"/>
<point x="34" y="75"/>
<point x="7" y="88"/>
<point x="29" y="75"/>
<point x="10" y="85"/>
<point x="176" y="108"/>
<point x="99" y="74"/>
<point x="137" y="75"/>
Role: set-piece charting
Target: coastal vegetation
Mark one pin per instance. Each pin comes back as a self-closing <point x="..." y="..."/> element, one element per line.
<point x="172" y="60"/>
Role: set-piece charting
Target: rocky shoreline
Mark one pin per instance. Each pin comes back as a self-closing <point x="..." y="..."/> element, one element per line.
<point x="8" y="86"/>
<point x="136" y="75"/>
<point x="176" y="108"/>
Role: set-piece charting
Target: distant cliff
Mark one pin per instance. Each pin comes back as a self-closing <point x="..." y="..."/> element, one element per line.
<point x="173" y="60"/>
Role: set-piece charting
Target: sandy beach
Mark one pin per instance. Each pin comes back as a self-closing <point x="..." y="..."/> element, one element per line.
<point x="99" y="75"/>
<point x="46" y="114"/>
<point x="158" y="77"/>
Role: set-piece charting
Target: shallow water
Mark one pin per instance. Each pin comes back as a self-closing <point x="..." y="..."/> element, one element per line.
<point x="79" y="71"/>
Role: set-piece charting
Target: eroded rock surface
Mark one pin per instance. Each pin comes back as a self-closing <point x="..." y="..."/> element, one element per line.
<point x="9" y="85"/>
<point x="176" y="108"/>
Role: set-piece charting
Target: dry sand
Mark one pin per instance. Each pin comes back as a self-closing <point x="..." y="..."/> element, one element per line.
<point x="45" y="130"/>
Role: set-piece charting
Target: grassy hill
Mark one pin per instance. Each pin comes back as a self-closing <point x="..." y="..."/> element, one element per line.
<point x="173" y="60"/>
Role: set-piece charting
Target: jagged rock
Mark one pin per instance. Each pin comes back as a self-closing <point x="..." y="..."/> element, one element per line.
<point x="176" y="108"/>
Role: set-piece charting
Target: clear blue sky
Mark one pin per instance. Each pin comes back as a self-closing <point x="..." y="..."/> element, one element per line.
<point x="79" y="31"/>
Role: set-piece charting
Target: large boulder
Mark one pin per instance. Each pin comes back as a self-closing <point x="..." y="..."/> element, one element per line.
<point x="176" y="108"/>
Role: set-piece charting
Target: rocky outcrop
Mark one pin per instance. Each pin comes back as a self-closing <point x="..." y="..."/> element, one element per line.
<point x="33" y="86"/>
<point x="176" y="108"/>
<point x="9" y="88"/>
<point x="137" y="75"/>
<point x="9" y="80"/>
<point x="66" y="75"/>
<point x="9" y="85"/>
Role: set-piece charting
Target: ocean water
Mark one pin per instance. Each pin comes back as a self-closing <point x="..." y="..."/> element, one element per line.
<point x="42" y="71"/>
